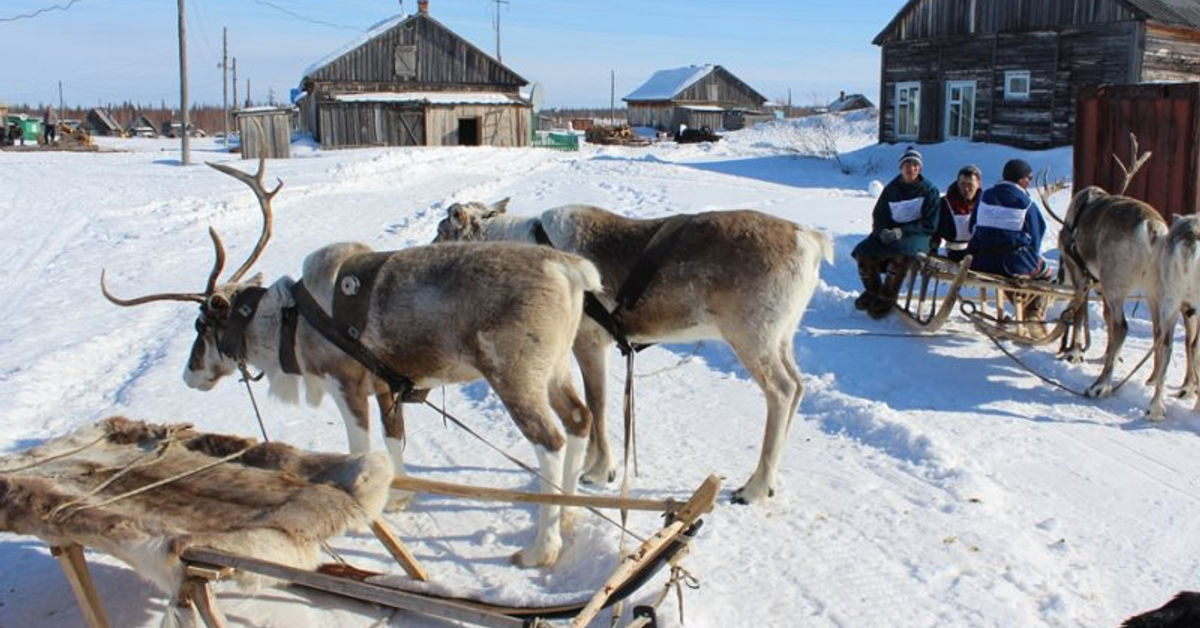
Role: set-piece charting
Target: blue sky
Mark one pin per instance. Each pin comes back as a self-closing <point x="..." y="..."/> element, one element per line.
<point x="114" y="50"/>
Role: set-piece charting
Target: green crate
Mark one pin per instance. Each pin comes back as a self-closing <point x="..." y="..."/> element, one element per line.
<point x="555" y="141"/>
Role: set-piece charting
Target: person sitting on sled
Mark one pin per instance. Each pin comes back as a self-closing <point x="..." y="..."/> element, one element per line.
<point x="903" y="222"/>
<point x="957" y="210"/>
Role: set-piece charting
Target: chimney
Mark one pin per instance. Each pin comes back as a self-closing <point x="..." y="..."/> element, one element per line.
<point x="423" y="7"/>
<point x="843" y="96"/>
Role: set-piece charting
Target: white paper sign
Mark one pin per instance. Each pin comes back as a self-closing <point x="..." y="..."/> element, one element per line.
<point x="906" y="211"/>
<point x="962" y="227"/>
<point x="1000" y="217"/>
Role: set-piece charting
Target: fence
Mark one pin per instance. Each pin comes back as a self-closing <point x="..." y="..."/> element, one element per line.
<point x="1165" y="117"/>
<point x="567" y="142"/>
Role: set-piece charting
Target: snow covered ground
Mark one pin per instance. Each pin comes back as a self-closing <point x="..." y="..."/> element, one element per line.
<point x="928" y="481"/>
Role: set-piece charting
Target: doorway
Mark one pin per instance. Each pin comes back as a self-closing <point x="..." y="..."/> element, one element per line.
<point x="468" y="132"/>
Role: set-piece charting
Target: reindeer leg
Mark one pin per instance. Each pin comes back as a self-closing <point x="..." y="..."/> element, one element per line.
<point x="1164" y="335"/>
<point x="780" y="391"/>
<point x="591" y="352"/>
<point x="1191" y="327"/>
<point x="787" y="357"/>
<point x="1118" y="327"/>
<point x="577" y="420"/>
<point x="391" y="411"/>
<point x="1071" y="347"/>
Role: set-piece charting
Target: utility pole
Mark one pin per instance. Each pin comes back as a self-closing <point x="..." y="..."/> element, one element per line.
<point x="60" y="100"/>
<point x="612" y="97"/>
<point x="235" y="100"/>
<point x="225" y="81"/>
<point x="185" y="158"/>
<point x="498" y="3"/>
<point x="247" y="92"/>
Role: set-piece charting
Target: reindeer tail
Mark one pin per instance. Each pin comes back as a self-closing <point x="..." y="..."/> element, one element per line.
<point x="816" y="239"/>
<point x="581" y="273"/>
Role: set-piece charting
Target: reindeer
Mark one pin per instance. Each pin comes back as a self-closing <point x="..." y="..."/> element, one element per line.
<point x="1109" y="238"/>
<point x="741" y="276"/>
<point x="507" y="313"/>
<point x="1176" y="289"/>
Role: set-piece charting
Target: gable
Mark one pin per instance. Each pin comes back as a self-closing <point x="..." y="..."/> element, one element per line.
<point x="413" y="50"/>
<point x="682" y="83"/>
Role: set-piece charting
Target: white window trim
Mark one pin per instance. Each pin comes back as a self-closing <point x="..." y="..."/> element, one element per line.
<point x="1009" y="75"/>
<point x="946" y="108"/>
<point x="896" y="110"/>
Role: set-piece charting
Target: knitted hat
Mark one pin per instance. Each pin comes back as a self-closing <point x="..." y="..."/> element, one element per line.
<point x="911" y="154"/>
<point x="1017" y="169"/>
<point x="971" y="170"/>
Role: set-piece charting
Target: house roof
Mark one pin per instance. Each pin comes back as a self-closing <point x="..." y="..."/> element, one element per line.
<point x="386" y="25"/>
<point x="664" y="84"/>
<point x="1177" y="12"/>
<point x="847" y="100"/>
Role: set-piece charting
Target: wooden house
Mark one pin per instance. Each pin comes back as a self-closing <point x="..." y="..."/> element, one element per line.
<point x="1008" y="71"/>
<point x="141" y="126"/>
<point x="410" y="81"/>
<point x="100" y="122"/>
<point x="849" y="102"/>
<point x="695" y="96"/>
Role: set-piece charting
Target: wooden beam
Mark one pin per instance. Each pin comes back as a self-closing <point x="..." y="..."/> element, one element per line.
<point x="202" y="596"/>
<point x="421" y="485"/>
<point x="398" y="551"/>
<point x="74" y="566"/>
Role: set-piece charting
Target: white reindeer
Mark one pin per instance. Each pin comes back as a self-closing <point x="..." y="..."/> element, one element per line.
<point x="742" y="276"/>
<point x="1177" y="288"/>
<point x="507" y="313"/>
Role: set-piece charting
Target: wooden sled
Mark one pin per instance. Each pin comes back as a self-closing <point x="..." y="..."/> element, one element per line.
<point x="1000" y="308"/>
<point x="667" y="546"/>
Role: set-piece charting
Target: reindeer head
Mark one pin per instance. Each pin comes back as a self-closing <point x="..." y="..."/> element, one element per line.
<point x="216" y="352"/>
<point x="464" y="221"/>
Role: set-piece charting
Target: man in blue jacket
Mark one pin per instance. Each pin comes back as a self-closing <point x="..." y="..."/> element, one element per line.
<point x="1008" y="228"/>
<point x="903" y="221"/>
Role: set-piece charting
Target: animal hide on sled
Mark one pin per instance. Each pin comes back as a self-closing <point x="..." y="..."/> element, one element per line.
<point x="273" y="502"/>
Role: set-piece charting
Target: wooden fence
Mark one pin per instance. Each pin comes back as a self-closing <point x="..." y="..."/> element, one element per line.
<point x="1165" y="117"/>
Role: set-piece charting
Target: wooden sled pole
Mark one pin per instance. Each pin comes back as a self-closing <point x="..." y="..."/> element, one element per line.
<point x="74" y="566"/>
<point x="420" y="485"/>
<point x="398" y="551"/>
<point x="701" y="502"/>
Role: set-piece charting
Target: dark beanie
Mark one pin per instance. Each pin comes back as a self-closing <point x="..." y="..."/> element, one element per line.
<point x="911" y="154"/>
<point x="1016" y="169"/>
<point x="971" y="170"/>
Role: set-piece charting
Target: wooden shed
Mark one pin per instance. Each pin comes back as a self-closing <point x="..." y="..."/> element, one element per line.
<point x="1008" y="71"/>
<point x="100" y="122"/>
<point x="265" y="131"/>
<point x="695" y="96"/>
<point x="410" y="81"/>
<point x="1165" y="118"/>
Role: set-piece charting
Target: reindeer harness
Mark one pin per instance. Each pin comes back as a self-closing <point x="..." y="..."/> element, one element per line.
<point x="640" y="275"/>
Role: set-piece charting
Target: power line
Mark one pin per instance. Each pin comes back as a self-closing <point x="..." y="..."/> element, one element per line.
<point x="303" y="17"/>
<point x="56" y="7"/>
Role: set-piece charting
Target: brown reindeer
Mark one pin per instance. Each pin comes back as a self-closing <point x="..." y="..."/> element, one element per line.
<point x="1111" y="239"/>
<point x="742" y="276"/>
<point x="507" y="313"/>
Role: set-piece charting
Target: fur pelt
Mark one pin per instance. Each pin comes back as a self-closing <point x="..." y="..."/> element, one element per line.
<point x="274" y="502"/>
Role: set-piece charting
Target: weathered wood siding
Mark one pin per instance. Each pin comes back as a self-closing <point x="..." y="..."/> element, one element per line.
<point x="1166" y="120"/>
<point x="265" y="134"/>
<point x="498" y="126"/>
<point x="1059" y="62"/>
<point x="719" y="88"/>
<point x="652" y="114"/>
<point x="348" y="124"/>
<point x="1171" y="54"/>
<point x="940" y="19"/>
<point x="418" y="51"/>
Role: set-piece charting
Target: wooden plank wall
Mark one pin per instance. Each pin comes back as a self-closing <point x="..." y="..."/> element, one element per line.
<point x="720" y="89"/>
<point x="1166" y="120"/>
<point x="347" y="124"/>
<point x="937" y="19"/>
<point x="1170" y="54"/>
<point x="498" y="126"/>
<point x="265" y="134"/>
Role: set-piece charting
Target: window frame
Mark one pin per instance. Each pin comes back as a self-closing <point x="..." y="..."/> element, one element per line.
<point x="950" y="85"/>
<point x="914" y="104"/>
<point x="1014" y="96"/>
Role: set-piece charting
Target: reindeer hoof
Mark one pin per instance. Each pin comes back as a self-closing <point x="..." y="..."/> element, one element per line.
<point x="1098" y="391"/>
<point x="742" y="497"/>
<point x="398" y="500"/>
<point x="1073" y="357"/>
<point x="535" y="557"/>
<point x="598" y="477"/>
<point x="1156" y="413"/>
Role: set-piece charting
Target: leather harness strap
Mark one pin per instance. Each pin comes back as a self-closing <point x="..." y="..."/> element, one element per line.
<point x="232" y="340"/>
<point x="640" y="275"/>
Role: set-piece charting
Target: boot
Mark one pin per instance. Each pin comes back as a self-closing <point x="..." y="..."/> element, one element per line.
<point x="868" y="272"/>
<point x="886" y="297"/>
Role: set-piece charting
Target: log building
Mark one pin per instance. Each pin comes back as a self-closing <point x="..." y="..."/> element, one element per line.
<point x="1008" y="71"/>
<point x="695" y="96"/>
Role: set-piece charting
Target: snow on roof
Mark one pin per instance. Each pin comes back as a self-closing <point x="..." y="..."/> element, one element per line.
<point x="664" y="84"/>
<point x="434" y="98"/>
<point x="702" y="108"/>
<point x="378" y="29"/>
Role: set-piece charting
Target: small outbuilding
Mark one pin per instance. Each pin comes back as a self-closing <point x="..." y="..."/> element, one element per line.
<point x="265" y="131"/>
<point x="849" y="102"/>
<point x="100" y="122"/>
<point x="410" y="81"/>
<point x="696" y="96"/>
<point x="141" y="126"/>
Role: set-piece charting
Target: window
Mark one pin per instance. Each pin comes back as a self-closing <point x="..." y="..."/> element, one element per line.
<point x="1016" y="85"/>
<point x="908" y="110"/>
<point x="960" y="109"/>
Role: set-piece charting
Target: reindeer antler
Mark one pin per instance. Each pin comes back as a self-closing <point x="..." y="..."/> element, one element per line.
<point x="1138" y="162"/>
<point x="175" y="296"/>
<point x="1046" y="190"/>
<point x="264" y="202"/>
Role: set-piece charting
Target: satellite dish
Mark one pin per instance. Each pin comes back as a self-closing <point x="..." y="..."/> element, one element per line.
<point x="535" y="96"/>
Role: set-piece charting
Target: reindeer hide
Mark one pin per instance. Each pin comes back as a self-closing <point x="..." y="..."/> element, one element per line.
<point x="274" y="502"/>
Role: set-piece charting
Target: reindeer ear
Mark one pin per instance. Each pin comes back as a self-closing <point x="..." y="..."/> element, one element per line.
<point x="457" y="214"/>
<point x="256" y="280"/>
<point x="501" y="206"/>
